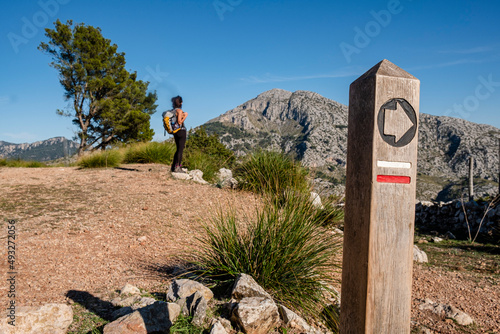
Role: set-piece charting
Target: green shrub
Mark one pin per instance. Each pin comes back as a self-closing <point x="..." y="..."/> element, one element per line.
<point x="208" y="164"/>
<point x="285" y="249"/>
<point x="267" y="172"/>
<point x="206" y="153"/>
<point x="183" y="325"/>
<point x="152" y="152"/>
<point x="100" y="159"/>
<point x="21" y="163"/>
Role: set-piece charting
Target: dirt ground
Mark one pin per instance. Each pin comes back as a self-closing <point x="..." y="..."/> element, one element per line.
<point x="93" y="231"/>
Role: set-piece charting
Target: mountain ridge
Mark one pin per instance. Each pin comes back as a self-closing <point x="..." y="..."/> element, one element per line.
<point x="43" y="150"/>
<point x="313" y="129"/>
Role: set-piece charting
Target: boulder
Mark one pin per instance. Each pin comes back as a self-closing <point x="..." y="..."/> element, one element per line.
<point x="46" y="319"/>
<point x="158" y="317"/>
<point x="197" y="306"/>
<point x="183" y="288"/>
<point x="218" y="328"/>
<point x="257" y="315"/>
<point x="225" y="179"/>
<point x="419" y="255"/>
<point x="129" y="289"/>
<point x="293" y="321"/>
<point x="197" y="176"/>
<point x="245" y="286"/>
<point x="181" y="176"/>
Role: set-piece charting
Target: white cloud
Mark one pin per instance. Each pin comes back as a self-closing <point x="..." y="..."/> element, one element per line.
<point x="267" y="78"/>
<point x="477" y="49"/>
<point x="451" y="63"/>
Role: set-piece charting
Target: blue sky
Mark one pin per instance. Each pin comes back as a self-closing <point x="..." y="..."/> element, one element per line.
<point x="218" y="54"/>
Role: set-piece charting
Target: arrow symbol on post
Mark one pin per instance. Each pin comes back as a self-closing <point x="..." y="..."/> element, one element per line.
<point x="396" y="121"/>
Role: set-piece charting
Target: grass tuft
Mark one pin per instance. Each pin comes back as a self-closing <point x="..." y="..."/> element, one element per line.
<point x="152" y="152"/>
<point x="272" y="173"/>
<point x="286" y="250"/>
<point x="21" y="163"/>
<point x="101" y="159"/>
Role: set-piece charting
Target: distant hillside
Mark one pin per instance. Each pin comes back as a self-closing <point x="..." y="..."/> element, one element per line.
<point x="46" y="150"/>
<point x="314" y="130"/>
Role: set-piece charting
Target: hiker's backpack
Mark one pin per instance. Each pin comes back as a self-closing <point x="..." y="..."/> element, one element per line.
<point x="169" y="122"/>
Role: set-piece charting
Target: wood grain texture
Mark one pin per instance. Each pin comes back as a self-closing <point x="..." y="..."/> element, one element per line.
<point x="379" y="220"/>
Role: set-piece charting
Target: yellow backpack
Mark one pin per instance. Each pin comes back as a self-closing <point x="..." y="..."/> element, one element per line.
<point x="170" y="122"/>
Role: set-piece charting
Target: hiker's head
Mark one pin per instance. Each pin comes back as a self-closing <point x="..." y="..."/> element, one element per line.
<point x="177" y="102"/>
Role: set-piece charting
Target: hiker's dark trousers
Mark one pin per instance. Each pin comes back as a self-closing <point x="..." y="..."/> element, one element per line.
<point x="180" y="142"/>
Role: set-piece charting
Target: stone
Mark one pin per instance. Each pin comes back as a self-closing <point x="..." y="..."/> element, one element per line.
<point x="293" y="321"/>
<point x="46" y="319"/>
<point x="447" y="311"/>
<point x="181" y="176"/>
<point x="197" y="306"/>
<point x="121" y="312"/>
<point x="158" y="317"/>
<point x="338" y="231"/>
<point x="218" y="328"/>
<point x="224" y="174"/>
<point x="183" y="288"/>
<point x="316" y="200"/>
<point x="225" y="179"/>
<point x="129" y="301"/>
<point x="419" y="255"/>
<point x="245" y="286"/>
<point x="257" y="315"/>
<point x="129" y="289"/>
<point x="436" y="239"/>
<point x="197" y="176"/>
<point x="142" y="302"/>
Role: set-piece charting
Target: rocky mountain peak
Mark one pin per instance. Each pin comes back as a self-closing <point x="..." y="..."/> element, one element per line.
<point x="314" y="130"/>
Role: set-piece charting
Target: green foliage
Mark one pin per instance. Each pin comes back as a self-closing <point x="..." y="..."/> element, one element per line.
<point x="267" y="172"/>
<point x="207" y="153"/>
<point x="330" y="214"/>
<point x="85" y="321"/>
<point x="285" y="249"/>
<point x="21" y="163"/>
<point x="101" y="159"/>
<point x="152" y="152"/>
<point x="109" y="104"/>
<point x="183" y="325"/>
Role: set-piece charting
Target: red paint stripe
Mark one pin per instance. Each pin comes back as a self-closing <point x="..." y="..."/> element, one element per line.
<point x="393" y="179"/>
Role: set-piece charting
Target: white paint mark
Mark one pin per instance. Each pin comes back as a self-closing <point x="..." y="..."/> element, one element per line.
<point x="393" y="164"/>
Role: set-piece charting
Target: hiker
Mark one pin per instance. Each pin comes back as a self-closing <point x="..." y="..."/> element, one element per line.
<point x="179" y="136"/>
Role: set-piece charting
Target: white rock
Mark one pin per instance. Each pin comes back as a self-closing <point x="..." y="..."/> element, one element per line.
<point x="448" y="311"/>
<point x="183" y="288"/>
<point x="256" y="315"/>
<point x="197" y="176"/>
<point x="181" y="176"/>
<point x="129" y="289"/>
<point x="46" y="319"/>
<point x="316" y="200"/>
<point x="224" y="174"/>
<point x="419" y="255"/>
<point x="217" y="328"/>
<point x="245" y="286"/>
<point x="436" y="239"/>
<point x="293" y="321"/>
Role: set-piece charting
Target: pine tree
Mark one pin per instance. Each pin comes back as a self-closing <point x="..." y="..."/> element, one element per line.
<point x="108" y="104"/>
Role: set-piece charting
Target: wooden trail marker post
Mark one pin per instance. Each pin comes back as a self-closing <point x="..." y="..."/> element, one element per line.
<point x="380" y="201"/>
